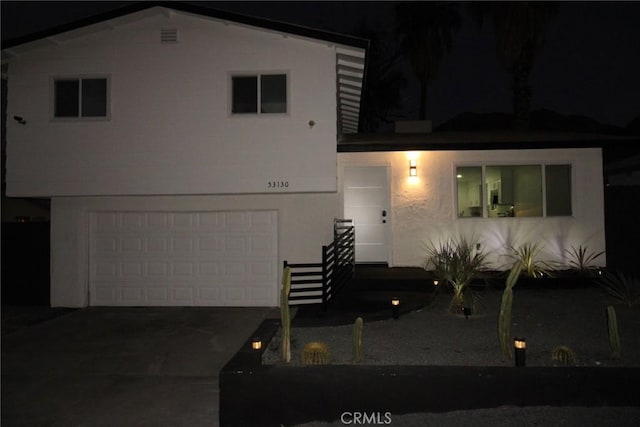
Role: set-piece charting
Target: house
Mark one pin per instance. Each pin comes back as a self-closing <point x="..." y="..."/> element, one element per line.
<point x="187" y="152"/>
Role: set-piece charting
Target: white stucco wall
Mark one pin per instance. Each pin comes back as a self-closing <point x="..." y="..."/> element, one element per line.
<point x="305" y="223"/>
<point x="423" y="208"/>
<point x="170" y="130"/>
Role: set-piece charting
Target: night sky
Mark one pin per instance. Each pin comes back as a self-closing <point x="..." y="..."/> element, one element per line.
<point x="590" y="64"/>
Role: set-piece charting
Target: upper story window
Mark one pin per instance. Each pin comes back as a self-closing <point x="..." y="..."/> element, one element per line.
<point x="80" y="98"/>
<point x="514" y="191"/>
<point x="259" y="94"/>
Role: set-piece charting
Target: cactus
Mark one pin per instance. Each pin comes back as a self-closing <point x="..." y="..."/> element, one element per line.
<point x="285" y="317"/>
<point x="357" y="340"/>
<point x="504" y="318"/>
<point x="614" y="336"/>
<point x="315" y="353"/>
<point x="564" y="355"/>
<point x="504" y="323"/>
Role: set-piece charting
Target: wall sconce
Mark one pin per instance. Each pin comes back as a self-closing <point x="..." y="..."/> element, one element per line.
<point x="395" y="308"/>
<point x="256" y="344"/>
<point x="520" y="346"/>
<point x="435" y="283"/>
<point x="413" y="167"/>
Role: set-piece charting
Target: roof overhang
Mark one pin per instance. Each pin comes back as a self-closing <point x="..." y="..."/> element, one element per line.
<point x="480" y="140"/>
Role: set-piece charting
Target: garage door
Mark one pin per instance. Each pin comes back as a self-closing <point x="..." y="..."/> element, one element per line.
<point x="183" y="258"/>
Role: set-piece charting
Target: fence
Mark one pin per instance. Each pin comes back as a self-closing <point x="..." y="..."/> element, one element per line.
<point x="318" y="283"/>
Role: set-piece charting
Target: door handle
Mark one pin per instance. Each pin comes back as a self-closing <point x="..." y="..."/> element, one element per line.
<point x="384" y="216"/>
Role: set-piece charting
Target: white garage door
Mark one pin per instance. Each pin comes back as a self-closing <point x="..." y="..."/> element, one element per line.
<point x="184" y="258"/>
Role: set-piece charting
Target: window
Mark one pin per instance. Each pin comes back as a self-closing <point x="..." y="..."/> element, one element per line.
<point x="558" y="186"/>
<point x="266" y="91"/>
<point x="513" y="191"/>
<point x="80" y="98"/>
<point x="469" y="191"/>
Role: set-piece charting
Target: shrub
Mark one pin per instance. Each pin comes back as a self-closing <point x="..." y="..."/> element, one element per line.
<point x="458" y="262"/>
<point x="623" y="288"/>
<point x="581" y="259"/>
<point x="526" y="255"/>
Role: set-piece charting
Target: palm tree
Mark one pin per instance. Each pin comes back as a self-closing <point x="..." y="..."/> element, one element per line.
<point x="520" y="36"/>
<point x="384" y="82"/>
<point x="425" y="31"/>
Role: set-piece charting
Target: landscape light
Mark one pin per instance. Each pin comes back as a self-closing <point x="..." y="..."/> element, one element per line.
<point x="520" y="346"/>
<point x="395" y="308"/>
<point x="256" y="344"/>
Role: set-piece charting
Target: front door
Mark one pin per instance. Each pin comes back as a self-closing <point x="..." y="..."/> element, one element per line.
<point x="366" y="202"/>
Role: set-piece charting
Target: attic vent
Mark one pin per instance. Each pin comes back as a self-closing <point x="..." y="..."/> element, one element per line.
<point x="169" y="35"/>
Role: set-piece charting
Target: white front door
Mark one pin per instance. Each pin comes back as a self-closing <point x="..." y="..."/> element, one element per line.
<point x="366" y="202"/>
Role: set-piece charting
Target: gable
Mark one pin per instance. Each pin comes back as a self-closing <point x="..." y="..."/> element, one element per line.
<point x="350" y="51"/>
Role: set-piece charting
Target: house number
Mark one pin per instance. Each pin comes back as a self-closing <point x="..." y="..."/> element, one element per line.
<point x="278" y="184"/>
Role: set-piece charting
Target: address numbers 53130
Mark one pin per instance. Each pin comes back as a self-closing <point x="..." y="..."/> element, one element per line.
<point x="277" y="184"/>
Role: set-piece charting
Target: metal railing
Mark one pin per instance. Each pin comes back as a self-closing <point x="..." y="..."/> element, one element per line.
<point x="318" y="283"/>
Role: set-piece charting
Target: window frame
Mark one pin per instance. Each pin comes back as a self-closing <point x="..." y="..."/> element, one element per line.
<point x="258" y="75"/>
<point x="79" y="78"/>
<point x="541" y="164"/>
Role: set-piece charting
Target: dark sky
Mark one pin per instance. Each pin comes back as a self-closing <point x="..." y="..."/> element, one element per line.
<point x="590" y="65"/>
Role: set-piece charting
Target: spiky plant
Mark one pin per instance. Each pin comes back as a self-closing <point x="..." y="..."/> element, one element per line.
<point x="527" y="256"/>
<point x="623" y="288"/>
<point x="581" y="258"/>
<point x="563" y="355"/>
<point x="315" y="353"/>
<point x="458" y="262"/>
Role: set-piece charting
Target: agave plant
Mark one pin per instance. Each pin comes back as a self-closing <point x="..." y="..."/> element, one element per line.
<point x="458" y="262"/>
<point x="526" y="255"/>
<point x="623" y="288"/>
<point x="581" y="259"/>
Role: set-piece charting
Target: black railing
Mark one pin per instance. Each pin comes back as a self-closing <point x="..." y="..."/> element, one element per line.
<point x="318" y="283"/>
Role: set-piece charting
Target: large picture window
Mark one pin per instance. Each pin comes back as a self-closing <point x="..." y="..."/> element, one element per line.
<point x="499" y="191"/>
<point x="80" y="98"/>
<point x="259" y="94"/>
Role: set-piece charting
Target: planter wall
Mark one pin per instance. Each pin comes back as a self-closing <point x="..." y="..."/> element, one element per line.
<point x="274" y="395"/>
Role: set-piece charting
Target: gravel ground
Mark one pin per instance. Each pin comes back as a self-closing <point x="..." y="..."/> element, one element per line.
<point x="433" y="336"/>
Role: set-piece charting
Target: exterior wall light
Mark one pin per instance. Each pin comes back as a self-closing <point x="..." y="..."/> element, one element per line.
<point x="395" y="308"/>
<point x="520" y="346"/>
<point x="413" y="167"/>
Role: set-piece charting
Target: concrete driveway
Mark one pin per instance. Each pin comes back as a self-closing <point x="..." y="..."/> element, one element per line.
<point x="122" y="366"/>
